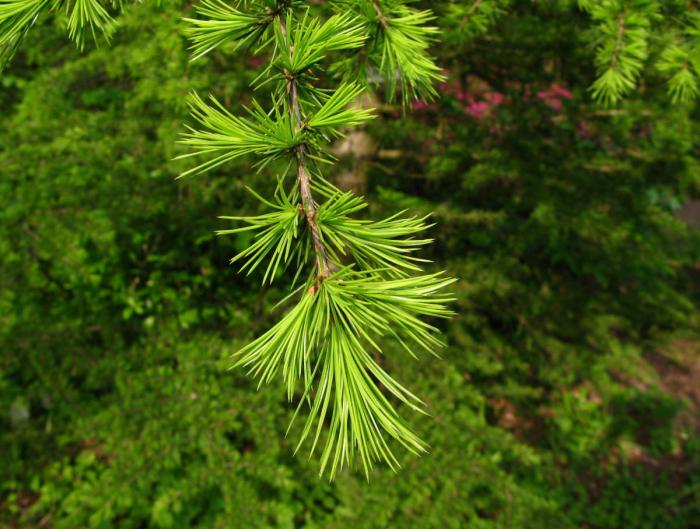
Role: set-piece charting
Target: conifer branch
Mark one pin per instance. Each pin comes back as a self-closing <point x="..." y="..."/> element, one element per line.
<point x="325" y="342"/>
<point x="399" y="48"/>
<point x="622" y="33"/>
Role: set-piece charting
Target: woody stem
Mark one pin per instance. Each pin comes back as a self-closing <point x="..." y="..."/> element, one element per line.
<point x="323" y="264"/>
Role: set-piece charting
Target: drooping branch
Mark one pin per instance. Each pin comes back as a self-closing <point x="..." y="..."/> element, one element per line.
<point x="326" y="342"/>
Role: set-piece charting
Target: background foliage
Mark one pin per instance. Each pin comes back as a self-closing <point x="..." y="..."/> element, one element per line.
<point x="566" y="395"/>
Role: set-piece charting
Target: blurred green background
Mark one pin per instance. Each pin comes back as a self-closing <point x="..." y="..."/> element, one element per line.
<point x="568" y="395"/>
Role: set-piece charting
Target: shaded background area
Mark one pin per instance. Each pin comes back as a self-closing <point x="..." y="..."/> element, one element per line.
<point x="568" y="395"/>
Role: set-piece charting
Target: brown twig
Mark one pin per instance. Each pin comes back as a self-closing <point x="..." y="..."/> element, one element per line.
<point x="323" y="265"/>
<point x="382" y="19"/>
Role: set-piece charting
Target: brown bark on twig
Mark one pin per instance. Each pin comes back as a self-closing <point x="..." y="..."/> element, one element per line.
<point x="323" y="264"/>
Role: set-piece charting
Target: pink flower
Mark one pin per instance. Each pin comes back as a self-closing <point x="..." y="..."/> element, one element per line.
<point x="477" y="109"/>
<point x="560" y="91"/>
<point x="552" y="97"/>
<point x="495" y="98"/>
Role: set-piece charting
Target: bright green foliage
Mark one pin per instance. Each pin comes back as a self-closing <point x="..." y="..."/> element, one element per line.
<point x="269" y="137"/>
<point x="398" y="38"/>
<point x="82" y="18"/>
<point x="380" y="244"/>
<point x="470" y="19"/>
<point x="309" y="40"/>
<point x="683" y="84"/>
<point x="225" y="23"/>
<point x="88" y="15"/>
<point x="627" y="33"/>
<point x="622" y="31"/>
<point x="405" y="38"/>
<point x="16" y="17"/>
<point x="680" y="61"/>
<point x="326" y="336"/>
<point x="333" y="114"/>
<point x="323" y="344"/>
<point x="276" y="241"/>
<point x="563" y="398"/>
